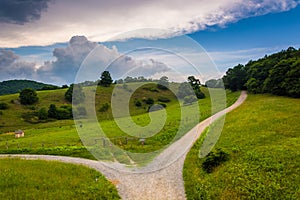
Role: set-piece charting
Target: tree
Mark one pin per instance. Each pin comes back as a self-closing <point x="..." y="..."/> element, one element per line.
<point x="235" y="78"/>
<point x="52" y="111"/>
<point x="163" y="83"/>
<point x="28" y="96"/>
<point x="195" y="83"/>
<point x="76" y="89"/>
<point x="105" y="79"/>
<point x="42" y="114"/>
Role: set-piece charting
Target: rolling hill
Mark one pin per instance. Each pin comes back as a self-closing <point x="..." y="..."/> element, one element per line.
<point x="15" y="86"/>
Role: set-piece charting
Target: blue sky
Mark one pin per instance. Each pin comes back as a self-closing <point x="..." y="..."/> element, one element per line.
<point x="36" y="43"/>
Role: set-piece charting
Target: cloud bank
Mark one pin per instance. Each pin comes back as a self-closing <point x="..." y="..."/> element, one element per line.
<point x="11" y="66"/>
<point x="68" y="60"/>
<point x="42" y="23"/>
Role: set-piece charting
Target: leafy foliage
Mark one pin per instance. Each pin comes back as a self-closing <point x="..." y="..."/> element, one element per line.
<point x="191" y="88"/>
<point x="277" y="74"/>
<point x="189" y="99"/>
<point x="104" y="107"/>
<point x="28" y="96"/>
<point x="163" y="99"/>
<point x="3" y="106"/>
<point x="43" y="114"/>
<point x="75" y="99"/>
<point x="105" y="79"/>
<point x="52" y="111"/>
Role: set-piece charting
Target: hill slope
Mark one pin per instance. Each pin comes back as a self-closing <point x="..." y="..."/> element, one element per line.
<point x="15" y="86"/>
<point x="262" y="139"/>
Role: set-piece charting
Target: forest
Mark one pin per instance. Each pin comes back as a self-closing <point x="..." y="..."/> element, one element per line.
<point x="277" y="74"/>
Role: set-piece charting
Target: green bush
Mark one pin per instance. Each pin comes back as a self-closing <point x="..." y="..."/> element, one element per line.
<point x="43" y="114"/>
<point x="138" y="103"/>
<point x="104" y="107"/>
<point x="64" y="112"/>
<point x="28" y="96"/>
<point x="189" y="99"/>
<point x="149" y="101"/>
<point x="163" y="99"/>
<point x="214" y="159"/>
<point x="3" y="106"/>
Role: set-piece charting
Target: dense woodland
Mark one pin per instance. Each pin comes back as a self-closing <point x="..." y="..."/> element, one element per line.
<point x="278" y="74"/>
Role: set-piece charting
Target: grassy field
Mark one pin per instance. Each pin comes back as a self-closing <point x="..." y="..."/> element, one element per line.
<point x="36" y="179"/>
<point x="262" y="138"/>
<point x="60" y="137"/>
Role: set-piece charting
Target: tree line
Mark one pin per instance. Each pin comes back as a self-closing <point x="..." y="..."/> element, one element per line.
<point x="277" y="74"/>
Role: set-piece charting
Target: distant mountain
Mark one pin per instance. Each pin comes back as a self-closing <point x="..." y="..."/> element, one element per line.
<point x="15" y="86"/>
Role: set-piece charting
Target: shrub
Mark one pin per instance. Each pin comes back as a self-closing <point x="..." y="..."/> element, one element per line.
<point x="64" y="112"/>
<point x="104" y="107"/>
<point x="138" y="103"/>
<point x="3" y="106"/>
<point x="149" y="101"/>
<point x="214" y="159"/>
<point x="189" y="99"/>
<point x="163" y="99"/>
<point x="163" y="105"/>
<point x="52" y="112"/>
<point x="43" y="114"/>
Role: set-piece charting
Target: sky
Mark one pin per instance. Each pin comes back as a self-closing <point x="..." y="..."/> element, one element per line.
<point x="51" y="40"/>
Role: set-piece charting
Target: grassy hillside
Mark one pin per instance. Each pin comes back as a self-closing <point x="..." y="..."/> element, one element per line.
<point x="36" y="179"/>
<point x="59" y="137"/>
<point x="262" y="138"/>
<point x="15" y="86"/>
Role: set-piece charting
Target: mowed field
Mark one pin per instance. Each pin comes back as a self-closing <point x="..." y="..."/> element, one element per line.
<point x="262" y="138"/>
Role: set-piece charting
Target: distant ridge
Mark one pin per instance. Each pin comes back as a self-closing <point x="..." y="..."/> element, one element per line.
<point x="15" y="86"/>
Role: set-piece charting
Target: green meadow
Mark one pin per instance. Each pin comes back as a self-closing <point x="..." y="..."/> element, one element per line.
<point x="262" y="139"/>
<point x="36" y="179"/>
<point x="60" y="137"/>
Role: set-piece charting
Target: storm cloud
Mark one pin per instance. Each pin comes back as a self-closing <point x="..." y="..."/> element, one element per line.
<point x="20" y="11"/>
<point x="69" y="59"/>
<point x="11" y="67"/>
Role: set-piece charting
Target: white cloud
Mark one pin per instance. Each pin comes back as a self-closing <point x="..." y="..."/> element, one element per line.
<point x="69" y="60"/>
<point x="102" y="20"/>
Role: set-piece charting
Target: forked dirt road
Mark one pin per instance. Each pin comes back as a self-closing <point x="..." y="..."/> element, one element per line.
<point x="150" y="182"/>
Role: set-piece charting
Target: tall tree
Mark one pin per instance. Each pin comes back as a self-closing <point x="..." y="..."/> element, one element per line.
<point x="195" y="83"/>
<point x="105" y="79"/>
<point x="28" y="96"/>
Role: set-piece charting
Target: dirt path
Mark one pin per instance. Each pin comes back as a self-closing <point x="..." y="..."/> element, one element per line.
<point x="166" y="183"/>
